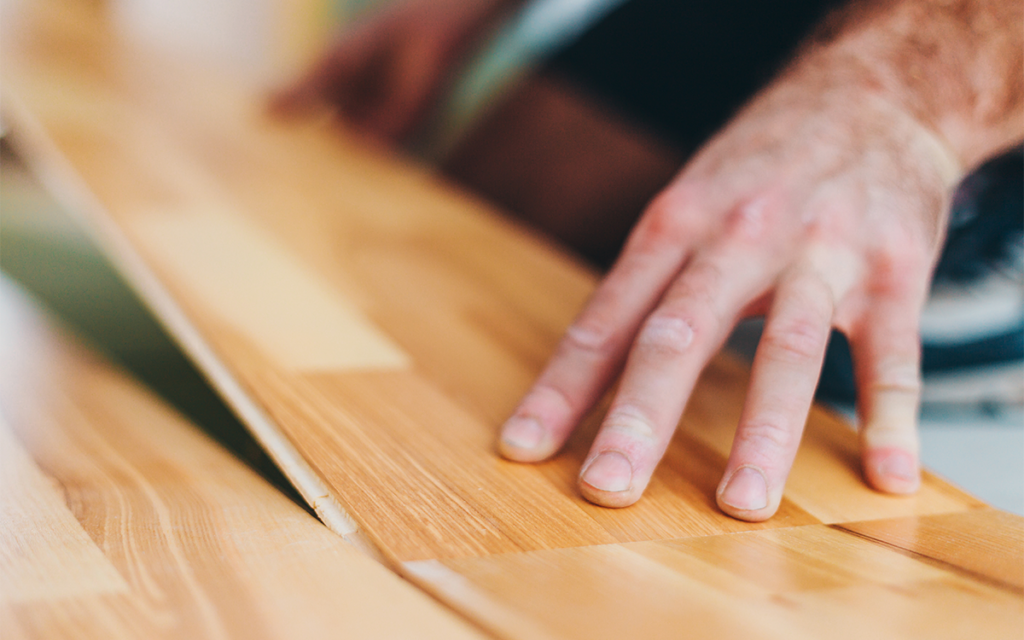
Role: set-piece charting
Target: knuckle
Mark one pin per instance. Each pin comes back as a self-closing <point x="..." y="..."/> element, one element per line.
<point x="632" y="423"/>
<point x="702" y="282"/>
<point x="810" y="292"/>
<point x="890" y="405"/>
<point x="750" y="220"/>
<point x="590" y="336"/>
<point x="667" y="334"/>
<point x="797" y="340"/>
<point x="768" y="436"/>
<point x="667" y="221"/>
<point x="690" y="311"/>
<point x="547" y="394"/>
<point x="890" y="430"/>
<point x="887" y="429"/>
<point x="900" y="379"/>
<point x="811" y="288"/>
<point x="901" y="266"/>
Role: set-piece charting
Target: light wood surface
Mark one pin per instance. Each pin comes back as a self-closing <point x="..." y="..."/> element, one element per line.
<point x="188" y="186"/>
<point x="119" y="519"/>
<point x="951" y="576"/>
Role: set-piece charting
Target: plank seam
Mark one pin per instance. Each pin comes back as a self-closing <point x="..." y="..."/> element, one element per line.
<point x="935" y="562"/>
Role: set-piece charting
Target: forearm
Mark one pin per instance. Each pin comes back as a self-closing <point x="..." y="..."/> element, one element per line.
<point x="955" y="66"/>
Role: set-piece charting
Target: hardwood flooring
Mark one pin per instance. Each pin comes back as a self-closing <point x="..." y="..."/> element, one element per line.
<point x="119" y="519"/>
<point x="373" y="326"/>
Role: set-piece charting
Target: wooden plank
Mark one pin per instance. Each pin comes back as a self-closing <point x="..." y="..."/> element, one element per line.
<point x="986" y="545"/>
<point x="812" y="581"/>
<point x="247" y="281"/>
<point x="462" y="306"/>
<point x="118" y="519"/>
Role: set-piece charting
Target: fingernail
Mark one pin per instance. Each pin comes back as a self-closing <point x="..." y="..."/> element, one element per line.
<point x="610" y="471"/>
<point x="897" y="464"/>
<point x="522" y="433"/>
<point x="747" y="490"/>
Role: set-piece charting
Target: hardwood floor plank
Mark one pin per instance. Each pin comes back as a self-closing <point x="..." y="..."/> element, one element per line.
<point x="986" y="544"/>
<point x="122" y="520"/>
<point x="286" y="310"/>
<point x="810" y="581"/>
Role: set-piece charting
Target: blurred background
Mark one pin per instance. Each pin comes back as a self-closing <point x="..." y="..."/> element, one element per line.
<point x="266" y="43"/>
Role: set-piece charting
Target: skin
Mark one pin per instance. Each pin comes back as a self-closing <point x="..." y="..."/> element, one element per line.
<point x="821" y="205"/>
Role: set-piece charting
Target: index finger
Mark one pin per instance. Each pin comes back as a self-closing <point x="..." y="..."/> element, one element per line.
<point x="594" y="346"/>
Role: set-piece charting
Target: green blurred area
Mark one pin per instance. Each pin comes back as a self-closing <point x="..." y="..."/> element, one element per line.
<point x="47" y="253"/>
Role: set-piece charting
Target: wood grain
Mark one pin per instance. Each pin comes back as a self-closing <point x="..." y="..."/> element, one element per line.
<point x="151" y="151"/>
<point x="985" y="545"/>
<point x="813" y="581"/>
<point x="34" y="514"/>
<point x="118" y="519"/>
<point x="474" y="302"/>
<point x="247" y="281"/>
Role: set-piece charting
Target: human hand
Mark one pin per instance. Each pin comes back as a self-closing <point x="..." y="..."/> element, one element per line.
<point x="821" y="205"/>
<point x="384" y="73"/>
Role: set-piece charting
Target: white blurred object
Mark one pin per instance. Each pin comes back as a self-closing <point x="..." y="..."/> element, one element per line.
<point x="961" y="312"/>
<point x="982" y="454"/>
<point x="545" y="24"/>
<point x="265" y="41"/>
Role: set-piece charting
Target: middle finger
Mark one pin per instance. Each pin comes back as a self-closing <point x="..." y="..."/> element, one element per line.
<point x="672" y="347"/>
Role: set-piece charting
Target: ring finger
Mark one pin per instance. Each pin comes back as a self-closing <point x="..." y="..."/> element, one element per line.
<point x="784" y="376"/>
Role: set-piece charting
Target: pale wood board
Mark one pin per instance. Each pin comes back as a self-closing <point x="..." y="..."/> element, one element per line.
<point x="813" y="581"/>
<point x="119" y="519"/>
<point x="459" y="309"/>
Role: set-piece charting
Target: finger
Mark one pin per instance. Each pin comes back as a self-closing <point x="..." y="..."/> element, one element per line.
<point x="786" y="368"/>
<point x="592" y="350"/>
<point x="887" y="355"/>
<point x="672" y="347"/>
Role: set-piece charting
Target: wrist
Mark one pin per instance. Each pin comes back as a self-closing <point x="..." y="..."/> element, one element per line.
<point x="953" y="67"/>
<point x="886" y="106"/>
